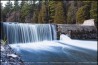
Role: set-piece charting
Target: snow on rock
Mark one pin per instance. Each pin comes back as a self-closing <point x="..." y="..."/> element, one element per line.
<point x="65" y="37"/>
<point x="89" y="22"/>
<point x="79" y="43"/>
<point x="12" y="55"/>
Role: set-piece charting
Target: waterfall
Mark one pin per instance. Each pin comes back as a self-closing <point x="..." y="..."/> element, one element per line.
<point x="26" y="32"/>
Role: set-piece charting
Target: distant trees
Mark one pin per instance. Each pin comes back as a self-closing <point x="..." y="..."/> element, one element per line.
<point x="36" y="12"/>
<point x="71" y="13"/>
<point x="6" y="10"/>
<point x="16" y="5"/>
<point x="46" y="11"/>
<point x="1" y="12"/>
<point x="16" y="11"/>
<point x="52" y="5"/>
<point x="84" y="12"/>
<point x="25" y="10"/>
<point x="81" y="14"/>
<point x="42" y="13"/>
<point x="94" y="10"/>
<point x="59" y="17"/>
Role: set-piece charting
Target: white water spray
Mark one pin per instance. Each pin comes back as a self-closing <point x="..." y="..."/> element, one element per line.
<point x="25" y="33"/>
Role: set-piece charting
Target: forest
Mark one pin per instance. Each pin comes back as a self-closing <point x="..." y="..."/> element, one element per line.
<point x="49" y="11"/>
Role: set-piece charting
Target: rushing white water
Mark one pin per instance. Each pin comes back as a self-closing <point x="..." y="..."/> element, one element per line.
<point x="24" y="33"/>
<point x="66" y="49"/>
<point x="79" y="43"/>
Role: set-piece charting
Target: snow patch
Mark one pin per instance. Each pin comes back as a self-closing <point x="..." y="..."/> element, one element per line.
<point x="89" y="22"/>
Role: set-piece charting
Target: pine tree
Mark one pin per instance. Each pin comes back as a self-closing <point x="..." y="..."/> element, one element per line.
<point x="8" y="7"/>
<point x="82" y="14"/>
<point x="35" y="17"/>
<point x="36" y="8"/>
<point x="42" y="13"/>
<point x="16" y="5"/>
<point x="71" y="14"/>
<point x="59" y="17"/>
<point x="7" y="10"/>
<point x="51" y="11"/>
<point x="93" y="11"/>
<point x="25" y="10"/>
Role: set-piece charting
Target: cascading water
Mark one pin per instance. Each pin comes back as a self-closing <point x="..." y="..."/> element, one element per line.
<point x="63" y="50"/>
<point x="24" y="33"/>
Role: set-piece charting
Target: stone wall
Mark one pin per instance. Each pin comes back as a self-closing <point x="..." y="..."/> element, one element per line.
<point x="77" y="31"/>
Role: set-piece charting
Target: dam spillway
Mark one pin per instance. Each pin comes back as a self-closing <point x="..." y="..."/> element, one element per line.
<point x="25" y="32"/>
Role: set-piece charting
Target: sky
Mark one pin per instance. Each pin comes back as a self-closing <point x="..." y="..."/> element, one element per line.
<point x="4" y="2"/>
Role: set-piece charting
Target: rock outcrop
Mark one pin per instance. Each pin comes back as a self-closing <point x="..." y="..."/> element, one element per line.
<point x="9" y="57"/>
<point x="78" y="31"/>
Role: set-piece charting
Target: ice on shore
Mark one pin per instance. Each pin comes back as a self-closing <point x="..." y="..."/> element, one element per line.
<point x="79" y="43"/>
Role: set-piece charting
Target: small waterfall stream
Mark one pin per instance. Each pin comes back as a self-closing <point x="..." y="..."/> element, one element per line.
<point x="25" y="32"/>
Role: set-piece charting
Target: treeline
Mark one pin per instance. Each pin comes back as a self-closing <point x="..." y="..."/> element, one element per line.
<point x="49" y="11"/>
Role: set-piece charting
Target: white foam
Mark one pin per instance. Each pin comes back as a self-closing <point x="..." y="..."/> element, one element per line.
<point x="37" y="46"/>
<point x="79" y="43"/>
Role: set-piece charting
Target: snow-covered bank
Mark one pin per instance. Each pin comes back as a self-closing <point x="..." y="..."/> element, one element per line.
<point x="79" y="43"/>
<point x="65" y="49"/>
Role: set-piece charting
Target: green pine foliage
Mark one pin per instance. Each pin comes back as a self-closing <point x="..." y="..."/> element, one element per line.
<point x="35" y="17"/>
<point x="82" y="14"/>
<point x="42" y="13"/>
<point x="51" y="11"/>
<point x="16" y="6"/>
<point x="25" y="11"/>
<point x="8" y="7"/>
<point x="59" y="17"/>
<point x="71" y="14"/>
<point x="93" y="11"/>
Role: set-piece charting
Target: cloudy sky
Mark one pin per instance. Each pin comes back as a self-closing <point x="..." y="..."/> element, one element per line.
<point x="4" y="2"/>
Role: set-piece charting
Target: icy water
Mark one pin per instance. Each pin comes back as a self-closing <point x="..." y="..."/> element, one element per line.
<point x="64" y="51"/>
<point x="37" y="45"/>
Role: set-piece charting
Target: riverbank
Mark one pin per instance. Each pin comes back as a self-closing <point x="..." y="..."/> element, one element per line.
<point x="80" y="32"/>
<point x="9" y="57"/>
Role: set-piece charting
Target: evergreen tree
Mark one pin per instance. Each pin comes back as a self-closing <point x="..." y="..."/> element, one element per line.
<point x="37" y="8"/>
<point x="82" y="14"/>
<point x="59" y="17"/>
<point x="25" y="10"/>
<point x="16" y="5"/>
<point x="71" y="14"/>
<point x="35" y="17"/>
<point x="22" y="3"/>
<point x="1" y="12"/>
<point x="7" y="10"/>
<point x="8" y="7"/>
<point x="51" y="11"/>
<point x="93" y="11"/>
<point x="42" y="13"/>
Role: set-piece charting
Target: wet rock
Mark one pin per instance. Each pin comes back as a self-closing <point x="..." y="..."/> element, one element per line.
<point x="9" y="57"/>
<point x="77" y="31"/>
